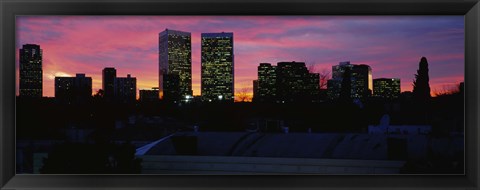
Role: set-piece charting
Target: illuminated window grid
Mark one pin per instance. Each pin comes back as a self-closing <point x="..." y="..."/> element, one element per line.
<point x="217" y="66"/>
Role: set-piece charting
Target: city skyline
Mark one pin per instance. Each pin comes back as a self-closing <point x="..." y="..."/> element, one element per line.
<point x="443" y="46"/>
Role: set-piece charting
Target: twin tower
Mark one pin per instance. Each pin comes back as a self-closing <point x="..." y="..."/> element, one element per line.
<point x="175" y="66"/>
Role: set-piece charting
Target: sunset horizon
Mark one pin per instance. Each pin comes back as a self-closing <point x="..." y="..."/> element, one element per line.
<point x="87" y="44"/>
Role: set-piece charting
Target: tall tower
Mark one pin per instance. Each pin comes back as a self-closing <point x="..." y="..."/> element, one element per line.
<point x="31" y="71"/>
<point x="175" y="65"/>
<point x="361" y="80"/>
<point x="217" y="66"/>
<point x="267" y="82"/>
<point x="108" y="82"/>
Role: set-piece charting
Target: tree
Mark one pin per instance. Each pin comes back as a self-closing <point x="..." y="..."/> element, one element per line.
<point x="242" y="95"/>
<point x="98" y="97"/>
<point x="447" y="90"/>
<point x="421" y="86"/>
<point x="99" y="94"/>
<point x="324" y="76"/>
<point x="421" y="94"/>
<point x="311" y="67"/>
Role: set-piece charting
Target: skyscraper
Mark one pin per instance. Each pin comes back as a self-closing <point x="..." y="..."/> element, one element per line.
<point x="31" y="71"/>
<point x="361" y="80"/>
<point x="126" y="89"/>
<point x="386" y="88"/>
<point x="175" y="64"/>
<point x="217" y="72"/>
<point x="108" y="82"/>
<point x="73" y="90"/>
<point x="267" y="82"/>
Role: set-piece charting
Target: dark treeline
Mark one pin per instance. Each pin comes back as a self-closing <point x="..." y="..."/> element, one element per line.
<point x="46" y="118"/>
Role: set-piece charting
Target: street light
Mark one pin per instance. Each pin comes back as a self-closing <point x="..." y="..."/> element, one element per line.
<point x="187" y="98"/>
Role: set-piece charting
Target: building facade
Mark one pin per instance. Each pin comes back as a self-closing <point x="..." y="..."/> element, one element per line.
<point x="361" y="80"/>
<point x="267" y="82"/>
<point x="296" y="84"/>
<point x="287" y="82"/>
<point x="108" y="82"/>
<point x="73" y="90"/>
<point x="149" y="95"/>
<point x="126" y="89"/>
<point x="217" y="66"/>
<point x="386" y="88"/>
<point x="31" y="72"/>
<point x="175" y="64"/>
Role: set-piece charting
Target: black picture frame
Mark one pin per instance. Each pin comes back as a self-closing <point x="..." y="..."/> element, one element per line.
<point x="9" y="9"/>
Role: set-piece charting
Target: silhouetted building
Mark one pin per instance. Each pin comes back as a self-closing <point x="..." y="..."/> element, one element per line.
<point x="30" y="57"/>
<point x="386" y="88"/>
<point x="217" y="72"/>
<point x="461" y="87"/>
<point x="73" y="90"/>
<point x="313" y="86"/>
<point x="108" y="82"/>
<point x="267" y="82"/>
<point x="171" y="84"/>
<point x="149" y="95"/>
<point x="126" y="89"/>
<point x="255" y="90"/>
<point x="175" y="64"/>
<point x="361" y="80"/>
<point x="287" y="82"/>
<point x="296" y="83"/>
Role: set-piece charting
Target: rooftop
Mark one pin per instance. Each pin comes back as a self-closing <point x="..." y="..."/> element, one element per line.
<point x="293" y="145"/>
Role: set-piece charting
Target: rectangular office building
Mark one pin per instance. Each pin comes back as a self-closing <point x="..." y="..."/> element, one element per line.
<point x="217" y="72"/>
<point x="360" y="80"/>
<point x="386" y="88"/>
<point x="108" y="82"/>
<point x="149" y="95"/>
<point x="30" y="57"/>
<point x="126" y="89"/>
<point x="175" y="65"/>
<point x="73" y="90"/>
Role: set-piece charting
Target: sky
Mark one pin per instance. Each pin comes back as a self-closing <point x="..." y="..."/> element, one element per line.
<point x="391" y="45"/>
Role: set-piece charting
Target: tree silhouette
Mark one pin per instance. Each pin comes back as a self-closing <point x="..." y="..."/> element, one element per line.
<point x="421" y="95"/>
<point x="99" y="94"/>
<point x="324" y="76"/>
<point x="447" y="90"/>
<point x="242" y="95"/>
<point x="421" y="86"/>
<point x="346" y="90"/>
